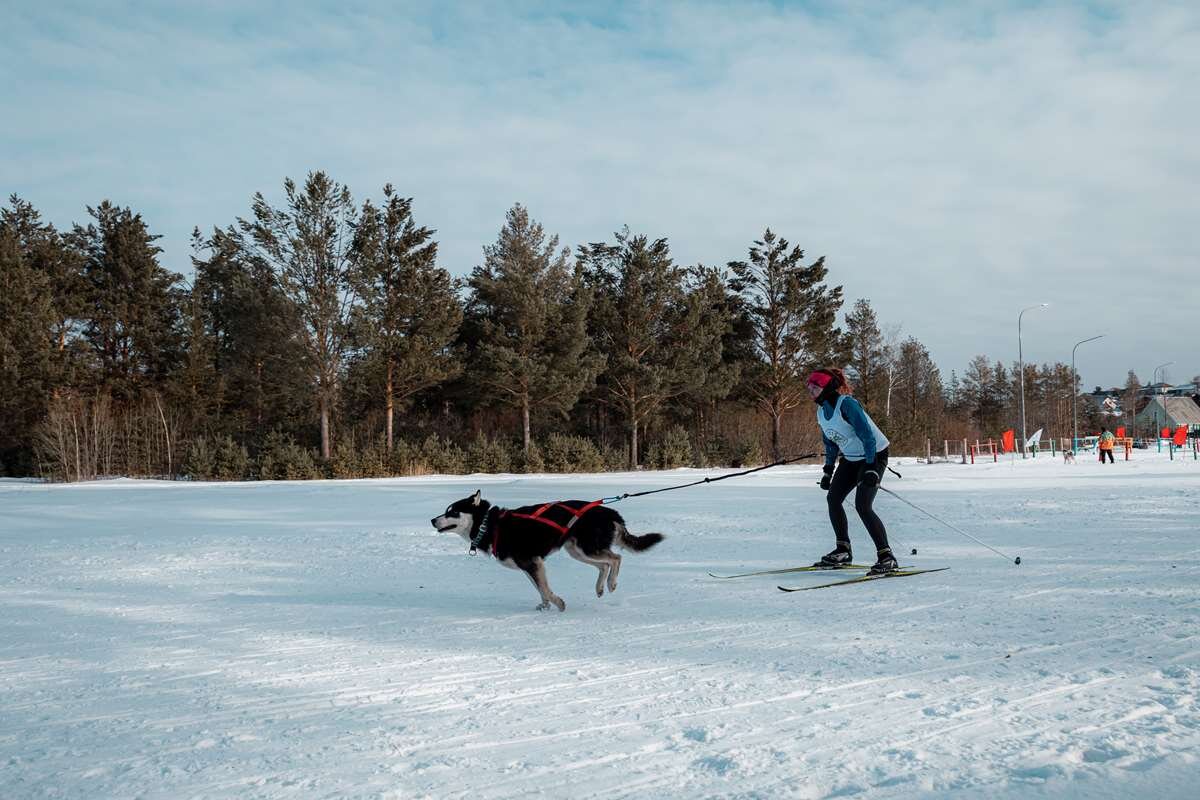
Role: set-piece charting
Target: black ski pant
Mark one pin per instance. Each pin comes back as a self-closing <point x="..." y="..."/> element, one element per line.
<point x="845" y="478"/>
<point x="1110" y="456"/>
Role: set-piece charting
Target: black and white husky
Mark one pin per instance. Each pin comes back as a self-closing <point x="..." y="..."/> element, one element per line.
<point x="522" y="538"/>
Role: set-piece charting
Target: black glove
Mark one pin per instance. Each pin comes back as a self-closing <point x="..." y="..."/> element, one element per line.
<point x="824" y="483"/>
<point x="869" y="478"/>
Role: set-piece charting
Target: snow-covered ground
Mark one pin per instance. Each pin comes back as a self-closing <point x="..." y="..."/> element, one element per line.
<point x="310" y="640"/>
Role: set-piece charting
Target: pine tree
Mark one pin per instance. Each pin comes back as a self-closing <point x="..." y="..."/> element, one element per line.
<point x="793" y="314"/>
<point x="716" y="371"/>
<point x="132" y="314"/>
<point x="1131" y="400"/>
<point x="1005" y="393"/>
<point x="643" y="322"/>
<point x="920" y="401"/>
<point x="529" y="308"/>
<point x="979" y="396"/>
<point x="27" y="351"/>
<point x="48" y="252"/>
<point x="309" y="246"/>
<point x="410" y="311"/>
<point x="868" y="359"/>
<point x="255" y="338"/>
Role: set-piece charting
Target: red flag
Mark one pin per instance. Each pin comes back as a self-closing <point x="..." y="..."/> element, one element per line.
<point x="1121" y="432"/>
<point x="1007" y="441"/>
<point x="1180" y="437"/>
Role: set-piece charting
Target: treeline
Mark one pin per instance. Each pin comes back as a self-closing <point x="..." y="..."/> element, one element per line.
<point x="321" y="337"/>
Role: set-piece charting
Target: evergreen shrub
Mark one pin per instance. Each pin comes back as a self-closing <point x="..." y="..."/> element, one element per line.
<point x="562" y="453"/>
<point x="616" y="459"/>
<point x="200" y="462"/>
<point x="282" y="459"/>
<point x="345" y="462"/>
<point x="533" y="461"/>
<point x="716" y="452"/>
<point x="231" y="461"/>
<point x="440" y="457"/>
<point x="374" y="461"/>
<point x="672" y="451"/>
<point x="486" y="454"/>
<point x="746" y="452"/>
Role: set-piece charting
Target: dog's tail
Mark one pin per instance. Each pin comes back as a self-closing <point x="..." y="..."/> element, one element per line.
<point x="635" y="543"/>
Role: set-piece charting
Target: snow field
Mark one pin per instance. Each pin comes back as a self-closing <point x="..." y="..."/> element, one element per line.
<point x="300" y="640"/>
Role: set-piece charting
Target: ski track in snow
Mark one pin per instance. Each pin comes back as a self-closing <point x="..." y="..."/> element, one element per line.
<point x="311" y="640"/>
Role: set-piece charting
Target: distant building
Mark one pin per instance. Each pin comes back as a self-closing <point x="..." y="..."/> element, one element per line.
<point x="1109" y="401"/>
<point x="1172" y="389"/>
<point x="1169" y="411"/>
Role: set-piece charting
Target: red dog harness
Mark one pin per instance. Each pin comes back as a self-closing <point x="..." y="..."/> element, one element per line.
<point x="567" y="512"/>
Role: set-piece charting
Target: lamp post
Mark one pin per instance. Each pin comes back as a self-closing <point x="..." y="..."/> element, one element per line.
<point x="1075" y="392"/>
<point x="1021" y="368"/>
<point x="1154" y="380"/>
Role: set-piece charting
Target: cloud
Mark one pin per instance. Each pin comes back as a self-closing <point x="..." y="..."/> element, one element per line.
<point x="954" y="162"/>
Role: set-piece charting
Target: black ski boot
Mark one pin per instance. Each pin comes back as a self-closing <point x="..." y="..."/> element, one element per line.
<point x="885" y="563"/>
<point x="840" y="557"/>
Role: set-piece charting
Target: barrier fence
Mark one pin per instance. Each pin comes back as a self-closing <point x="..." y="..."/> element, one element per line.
<point x="966" y="452"/>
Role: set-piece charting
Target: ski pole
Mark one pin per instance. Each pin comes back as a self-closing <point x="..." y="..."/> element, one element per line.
<point x="1016" y="560"/>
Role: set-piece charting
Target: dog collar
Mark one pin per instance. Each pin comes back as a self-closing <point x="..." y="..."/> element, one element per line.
<point x="478" y="538"/>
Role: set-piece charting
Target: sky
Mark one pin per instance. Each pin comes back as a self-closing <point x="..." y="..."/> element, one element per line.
<point x="954" y="162"/>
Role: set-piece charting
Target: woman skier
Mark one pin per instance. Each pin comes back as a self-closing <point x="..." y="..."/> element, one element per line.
<point x="847" y="429"/>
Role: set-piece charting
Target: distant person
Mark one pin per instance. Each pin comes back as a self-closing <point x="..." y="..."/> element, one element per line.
<point x="1106" y="445"/>
<point x="848" y="431"/>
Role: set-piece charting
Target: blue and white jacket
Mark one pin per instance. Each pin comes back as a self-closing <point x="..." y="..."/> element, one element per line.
<point x="846" y="428"/>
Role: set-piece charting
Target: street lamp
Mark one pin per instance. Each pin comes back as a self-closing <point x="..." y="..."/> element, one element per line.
<point x="1075" y="391"/>
<point x="1154" y="381"/>
<point x="1021" y="366"/>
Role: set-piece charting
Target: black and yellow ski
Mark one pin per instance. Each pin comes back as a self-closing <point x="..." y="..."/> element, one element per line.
<point x="900" y="573"/>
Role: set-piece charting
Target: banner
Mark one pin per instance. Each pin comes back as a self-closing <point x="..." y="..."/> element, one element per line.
<point x="1006" y="441"/>
<point x="1180" y="438"/>
<point x="1121" y="432"/>
<point x="1034" y="440"/>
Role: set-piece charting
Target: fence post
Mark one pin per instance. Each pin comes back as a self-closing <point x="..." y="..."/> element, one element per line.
<point x="946" y="447"/>
<point x="928" y="452"/>
<point x="965" y="451"/>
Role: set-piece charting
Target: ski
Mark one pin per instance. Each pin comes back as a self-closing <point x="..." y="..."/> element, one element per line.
<point x="902" y="573"/>
<point x="812" y="568"/>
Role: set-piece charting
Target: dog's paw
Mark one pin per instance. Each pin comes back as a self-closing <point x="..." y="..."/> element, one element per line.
<point x="541" y="606"/>
<point x="558" y="601"/>
<point x="600" y="590"/>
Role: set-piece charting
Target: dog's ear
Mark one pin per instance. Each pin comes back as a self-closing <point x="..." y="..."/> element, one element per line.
<point x="475" y="497"/>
